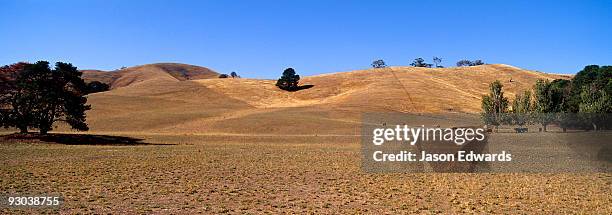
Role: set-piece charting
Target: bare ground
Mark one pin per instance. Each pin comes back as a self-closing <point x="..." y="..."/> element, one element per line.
<point x="257" y="174"/>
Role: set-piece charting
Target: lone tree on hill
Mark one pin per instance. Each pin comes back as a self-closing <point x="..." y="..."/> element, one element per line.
<point x="234" y="75"/>
<point x="494" y="105"/>
<point x="38" y="96"/>
<point x="379" y="64"/>
<point x="419" y="62"/>
<point x="289" y="80"/>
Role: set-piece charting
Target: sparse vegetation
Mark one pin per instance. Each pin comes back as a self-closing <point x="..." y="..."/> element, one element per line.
<point x="38" y="96"/>
<point x="289" y="80"/>
<point x="234" y="75"/>
<point x="223" y="76"/>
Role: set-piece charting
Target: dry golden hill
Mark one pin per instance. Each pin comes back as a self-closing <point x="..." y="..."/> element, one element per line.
<point x="149" y="73"/>
<point x="150" y="100"/>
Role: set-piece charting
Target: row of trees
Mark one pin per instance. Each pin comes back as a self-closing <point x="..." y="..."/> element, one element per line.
<point x="584" y="102"/>
<point x="35" y="96"/>
<point x="470" y="63"/>
<point x="437" y="63"/>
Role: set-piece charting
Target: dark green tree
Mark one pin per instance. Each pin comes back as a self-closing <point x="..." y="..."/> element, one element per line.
<point x="560" y="90"/>
<point x="289" y="80"/>
<point x="470" y="63"/>
<point x="419" y="62"/>
<point x="477" y="63"/>
<point x="96" y="86"/>
<point x="14" y="112"/>
<point x="379" y="64"/>
<point x="592" y="77"/>
<point x="544" y="106"/>
<point x="464" y="63"/>
<point x="42" y="96"/>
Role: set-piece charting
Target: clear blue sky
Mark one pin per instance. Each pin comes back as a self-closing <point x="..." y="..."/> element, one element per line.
<point x="259" y="38"/>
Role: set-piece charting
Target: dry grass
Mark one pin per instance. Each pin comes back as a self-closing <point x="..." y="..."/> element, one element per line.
<point x="146" y="73"/>
<point x="156" y="102"/>
<point x="245" y="146"/>
<point x="242" y="174"/>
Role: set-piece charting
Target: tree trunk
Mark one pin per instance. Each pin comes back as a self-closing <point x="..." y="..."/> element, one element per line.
<point x="544" y="127"/>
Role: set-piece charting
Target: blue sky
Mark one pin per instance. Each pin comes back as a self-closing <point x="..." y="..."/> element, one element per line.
<point x="259" y="38"/>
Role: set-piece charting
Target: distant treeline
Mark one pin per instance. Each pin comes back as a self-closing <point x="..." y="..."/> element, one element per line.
<point x="437" y="63"/>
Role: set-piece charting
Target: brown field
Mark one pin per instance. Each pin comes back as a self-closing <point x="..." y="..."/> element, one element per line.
<point x="243" y="146"/>
<point x="223" y="174"/>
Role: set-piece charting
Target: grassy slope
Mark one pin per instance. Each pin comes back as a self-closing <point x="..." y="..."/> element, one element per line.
<point x="154" y="101"/>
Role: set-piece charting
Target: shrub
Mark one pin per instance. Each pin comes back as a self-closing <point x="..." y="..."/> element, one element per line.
<point x="96" y="86"/>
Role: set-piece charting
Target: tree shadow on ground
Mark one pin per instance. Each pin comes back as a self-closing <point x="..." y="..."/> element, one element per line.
<point x="303" y="87"/>
<point x="80" y="139"/>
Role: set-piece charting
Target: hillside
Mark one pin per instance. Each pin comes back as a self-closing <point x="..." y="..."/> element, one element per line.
<point x="150" y="99"/>
<point x="149" y="72"/>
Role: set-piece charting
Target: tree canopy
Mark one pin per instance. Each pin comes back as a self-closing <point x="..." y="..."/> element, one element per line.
<point x="38" y="96"/>
<point x="379" y="64"/>
<point x="469" y="63"/>
<point x="494" y="105"/>
<point x="585" y="101"/>
<point x="420" y="62"/>
<point x="289" y="80"/>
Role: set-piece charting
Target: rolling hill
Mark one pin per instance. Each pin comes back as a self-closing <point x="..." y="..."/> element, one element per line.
<point x="149" y="72"/>
<point x="177" y="98"/>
